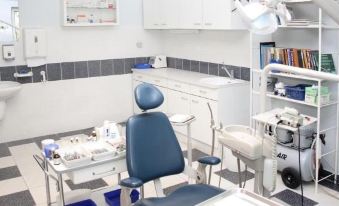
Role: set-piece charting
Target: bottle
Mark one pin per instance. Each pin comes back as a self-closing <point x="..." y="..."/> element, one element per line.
<point x="56" y="158"/>
<point x="107" y="127"/>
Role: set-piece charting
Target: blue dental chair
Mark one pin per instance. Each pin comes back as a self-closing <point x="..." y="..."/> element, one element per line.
<point x="153" y="151"/>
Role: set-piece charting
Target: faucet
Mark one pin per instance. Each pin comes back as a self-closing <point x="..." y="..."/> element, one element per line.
<point x="230" y="74"/>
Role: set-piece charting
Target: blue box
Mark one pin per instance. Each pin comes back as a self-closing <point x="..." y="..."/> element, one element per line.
<point x="113" y="198"/>
<point x="296" y="92"/>
<point x="83" y="203"/>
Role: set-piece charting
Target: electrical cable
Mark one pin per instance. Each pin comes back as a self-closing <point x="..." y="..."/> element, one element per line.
<point x="300" y="175"/>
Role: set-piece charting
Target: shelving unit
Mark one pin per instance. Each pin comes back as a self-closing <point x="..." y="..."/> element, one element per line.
<point x="90" y="13"/>
<point x="326" y="114"/>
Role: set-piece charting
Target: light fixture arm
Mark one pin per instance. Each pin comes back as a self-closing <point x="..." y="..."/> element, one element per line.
<point x="9" y="24"/>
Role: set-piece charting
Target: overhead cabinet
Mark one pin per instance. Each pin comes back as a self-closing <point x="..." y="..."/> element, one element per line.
<point x="191" y="14"/>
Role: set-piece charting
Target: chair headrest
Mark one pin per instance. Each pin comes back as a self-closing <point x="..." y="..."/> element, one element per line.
<point x="148" y="96"/>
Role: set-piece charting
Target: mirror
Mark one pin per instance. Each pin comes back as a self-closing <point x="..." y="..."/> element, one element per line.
<point x="9" y="21"/>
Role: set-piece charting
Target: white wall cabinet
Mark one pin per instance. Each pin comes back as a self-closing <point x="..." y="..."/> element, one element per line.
<point x="191" y="14"/>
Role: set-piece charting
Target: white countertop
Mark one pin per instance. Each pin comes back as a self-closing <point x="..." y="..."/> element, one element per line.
<point x="187" y="77"/>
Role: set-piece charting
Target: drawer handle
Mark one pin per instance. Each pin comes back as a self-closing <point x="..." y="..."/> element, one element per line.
<point x="196" y="102"/>
<point x="140" y="77"/>
<point x="202" y="92"/>
<point x="208" y="24"/>
<point x="102" y="173"/>
<point x="197" y="24"/>
<point x="177" y="85"/>
<point x="184" y="98"/>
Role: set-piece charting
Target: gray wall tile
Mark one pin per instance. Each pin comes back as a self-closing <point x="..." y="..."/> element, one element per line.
<point x="178" y="63"/>
<point x="141" y="60"/>
<point x="186" y="65"/>
<point x="36" y="73"/>
<point x="67" y="70"/>
<point x="81" y="70"/>
<point x="24" y="69"/>
<point x="54" y="72"/>
<point x="204" y="67"/>
<point x="195" y="66"/>
<point x="171" y="62"/>
<point x="106" y="67"/>
<point x="94" y="68"/>
<point x="7" y="73"/>
<point x="213" y="69"/>
<point x="245" y="74"/>
<point x="118" y="66"/>
<point x="236" y="71"/>
<point x="129" y="64"/>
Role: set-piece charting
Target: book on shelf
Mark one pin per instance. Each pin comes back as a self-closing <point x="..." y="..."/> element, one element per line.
<point x="303" y="58"/>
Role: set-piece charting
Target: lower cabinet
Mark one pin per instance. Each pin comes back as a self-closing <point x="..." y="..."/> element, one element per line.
<point x="201" y="130"/>
<point x="178" y="102"/>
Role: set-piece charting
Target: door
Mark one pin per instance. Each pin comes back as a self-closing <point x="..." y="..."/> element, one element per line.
<point x="191" y="14"/>
<point x="215" y="14"/>
<point x="178" y="103"/>
<point x="201" y="130"/>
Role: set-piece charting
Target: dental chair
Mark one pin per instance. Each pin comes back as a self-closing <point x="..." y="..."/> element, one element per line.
<point x="153" y="151"/>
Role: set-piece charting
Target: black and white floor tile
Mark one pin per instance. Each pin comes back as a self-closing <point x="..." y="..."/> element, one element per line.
<point x="22" y="181"/>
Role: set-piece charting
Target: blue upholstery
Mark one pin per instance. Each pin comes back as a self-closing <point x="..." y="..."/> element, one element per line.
<point x="209" y="160"/>
<point x="152" y="148"/>
<point x="189" y="195"/>
<point x="153" y="151"/>
<point x="131" y="182"/>
<point x="148" y="96"/>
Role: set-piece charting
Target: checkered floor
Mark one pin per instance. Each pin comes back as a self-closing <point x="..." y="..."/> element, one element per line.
<point x="22" y="181"/>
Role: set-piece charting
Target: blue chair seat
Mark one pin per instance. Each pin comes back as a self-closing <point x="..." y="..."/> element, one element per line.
<point x="189" y="195"/>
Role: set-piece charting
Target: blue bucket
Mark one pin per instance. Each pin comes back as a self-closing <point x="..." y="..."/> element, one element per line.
<point x="113" y="198"/>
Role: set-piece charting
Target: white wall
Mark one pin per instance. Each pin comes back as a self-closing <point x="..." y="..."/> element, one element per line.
<point x="231" y="47"/>
<point x="42" y="109"/>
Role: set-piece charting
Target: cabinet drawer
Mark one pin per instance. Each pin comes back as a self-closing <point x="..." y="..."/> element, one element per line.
<point x="204" y="92"/>
<point x="97" y="172"/>
<point x="158" y="81"/>
<point x="142" y="78"/>
<point x="178" y="86"/>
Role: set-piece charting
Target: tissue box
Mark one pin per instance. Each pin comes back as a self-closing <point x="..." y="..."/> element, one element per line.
<point x="311" y="95"/>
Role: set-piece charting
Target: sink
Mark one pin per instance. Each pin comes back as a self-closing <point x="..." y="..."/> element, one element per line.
<point x="218" y="81"/>
<point x="7" y="90"/>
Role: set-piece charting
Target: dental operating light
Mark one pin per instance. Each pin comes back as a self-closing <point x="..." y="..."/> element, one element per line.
<point x="261" y="17"/>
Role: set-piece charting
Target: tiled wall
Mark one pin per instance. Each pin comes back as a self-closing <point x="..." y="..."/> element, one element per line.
<point x="86" y="69"/>
<point x="208" y="68"/>
<point x="73" y="70"/>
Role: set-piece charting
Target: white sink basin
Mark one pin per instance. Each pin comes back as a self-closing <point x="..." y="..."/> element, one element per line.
<point x="218" y="81"/>
<point x="8" y="89"/>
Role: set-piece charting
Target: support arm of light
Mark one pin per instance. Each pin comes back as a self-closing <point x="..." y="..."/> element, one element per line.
<point x="9" y="24"/>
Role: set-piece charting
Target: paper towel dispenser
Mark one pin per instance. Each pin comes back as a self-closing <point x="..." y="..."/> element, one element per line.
<point x="35" y="46"/>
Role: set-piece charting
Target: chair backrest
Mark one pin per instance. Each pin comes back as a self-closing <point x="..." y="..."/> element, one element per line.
<point x="153" y="150"/>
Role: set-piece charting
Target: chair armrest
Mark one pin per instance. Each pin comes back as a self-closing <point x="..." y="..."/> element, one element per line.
<point x="209" y="160"/>
<point x="131" y="182"/>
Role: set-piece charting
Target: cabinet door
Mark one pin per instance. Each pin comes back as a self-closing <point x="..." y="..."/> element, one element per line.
<point x="170" y="14"/>
<point x="191" y="14"/>
<point x="178" y="103"/>
<point x="201" y="130"/>
<point x="215" y="14"/>
<point x="151" y="14"/>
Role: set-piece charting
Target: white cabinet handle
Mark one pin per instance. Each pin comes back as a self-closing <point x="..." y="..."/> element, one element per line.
<point x="157" y="80"/>
<point x="184" y="98"/>
<point x="208" y="24"/>
<point x="197" y="24"/>
<point x="177" y="85"/>
<point x="155" y="24"/>
<point x="101" y="173"/>
<point x="163" y="24"/>
<point x="139" y="77"/>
